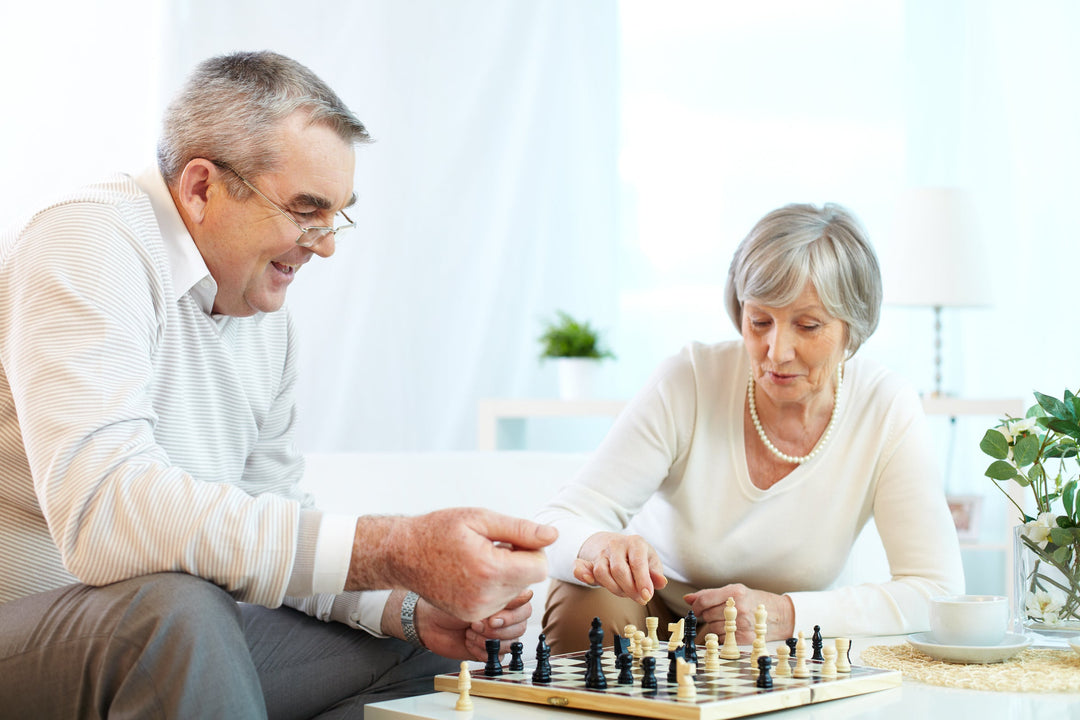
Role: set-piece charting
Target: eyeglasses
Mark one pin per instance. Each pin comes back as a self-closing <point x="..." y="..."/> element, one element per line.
<point x="309" y="236"/>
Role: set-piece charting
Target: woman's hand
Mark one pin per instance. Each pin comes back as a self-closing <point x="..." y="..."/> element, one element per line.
<point x="625" y="565"/>
<point x="708" y="605"/>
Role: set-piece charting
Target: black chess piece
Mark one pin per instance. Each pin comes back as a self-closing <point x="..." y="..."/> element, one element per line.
<point x="764" y="679"/>
<point x="690" y="638"/>
<point x="619" y="648"/>
<point x="625" y="663"/>
<point x="542" y="674"/>
<point x="516" y="665"/>
<point x="791" y="643"/>
<point x="673" y="664"/>
<point x="648" y="673"/>
<point x="594" y="669"/>
<point x="816" y="644"/>
<point x="493" y="666"/>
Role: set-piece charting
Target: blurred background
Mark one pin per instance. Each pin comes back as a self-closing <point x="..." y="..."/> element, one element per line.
<point x="605" y="158"/>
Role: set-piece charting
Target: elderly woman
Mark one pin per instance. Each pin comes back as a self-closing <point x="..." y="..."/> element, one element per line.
<point x="747" y="469"/>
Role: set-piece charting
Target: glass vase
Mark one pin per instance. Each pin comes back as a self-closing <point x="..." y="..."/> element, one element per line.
<point x="1047" y="590"/>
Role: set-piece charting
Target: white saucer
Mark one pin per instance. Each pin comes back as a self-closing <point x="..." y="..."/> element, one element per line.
<point x="1012" y="644"/>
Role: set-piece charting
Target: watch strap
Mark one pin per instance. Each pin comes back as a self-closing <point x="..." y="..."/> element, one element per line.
<point x="408" y="616"/>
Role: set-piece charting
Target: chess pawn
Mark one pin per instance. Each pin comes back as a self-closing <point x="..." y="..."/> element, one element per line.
<point x="761" y="616"/>
<point x="516" y="663"/>
<point x="628" y="633"/>
<point x="464" y="682"/>
<point x="648" y="674"/>
<point x="730" y="651"/>
<point x="712" y="653"/>
<point x="783" y="669"/>
<point x="641" y="645"/>
<point x="801" y="669"/>
<point x="843" y="665"/>
<point x="764" y="678"/>
<point x="828" y="668"/>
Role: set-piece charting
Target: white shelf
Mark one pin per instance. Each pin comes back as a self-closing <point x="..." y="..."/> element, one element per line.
<point x="490" y="411"/>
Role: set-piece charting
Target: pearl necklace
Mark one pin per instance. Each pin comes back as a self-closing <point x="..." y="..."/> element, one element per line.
<point x="824" y="437"/>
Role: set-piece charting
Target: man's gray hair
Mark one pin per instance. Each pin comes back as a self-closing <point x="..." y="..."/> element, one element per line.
<point x="797" y="244"/>
<point x="231" y="106"/>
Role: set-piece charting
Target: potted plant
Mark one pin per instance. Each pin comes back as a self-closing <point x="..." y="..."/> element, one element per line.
<point x="575" y="346"/>
<point x="1039" y="452"/>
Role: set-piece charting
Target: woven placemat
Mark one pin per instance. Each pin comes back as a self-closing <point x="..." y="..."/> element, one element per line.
<point x="1033" y="670"/>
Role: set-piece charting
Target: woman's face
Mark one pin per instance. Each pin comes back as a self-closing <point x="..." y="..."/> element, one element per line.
<point x="795" y="349"/>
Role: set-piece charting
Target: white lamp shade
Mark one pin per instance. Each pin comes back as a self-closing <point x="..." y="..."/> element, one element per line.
<point x="933" y="255"/>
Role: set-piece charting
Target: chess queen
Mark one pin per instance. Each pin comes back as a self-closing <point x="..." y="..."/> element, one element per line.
<point x="746" y="469"/>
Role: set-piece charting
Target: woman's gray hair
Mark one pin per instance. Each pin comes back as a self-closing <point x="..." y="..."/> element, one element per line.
<point x="800" y="243"/>
<point x="231" y="106"/>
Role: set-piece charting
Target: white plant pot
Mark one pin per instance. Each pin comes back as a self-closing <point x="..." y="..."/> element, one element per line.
<point x="577" y="376"/>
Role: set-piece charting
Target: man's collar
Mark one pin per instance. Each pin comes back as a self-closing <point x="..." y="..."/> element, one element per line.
<point x="186" y="264"/>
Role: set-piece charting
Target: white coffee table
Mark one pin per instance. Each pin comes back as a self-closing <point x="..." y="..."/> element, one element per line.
<point x="910" y="700"/>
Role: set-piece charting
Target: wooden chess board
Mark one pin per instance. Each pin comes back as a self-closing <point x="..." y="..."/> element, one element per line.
<point x="728" y="693"/>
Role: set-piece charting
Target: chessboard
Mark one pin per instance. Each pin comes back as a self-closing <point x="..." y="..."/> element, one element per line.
<point x="729" y="692"/>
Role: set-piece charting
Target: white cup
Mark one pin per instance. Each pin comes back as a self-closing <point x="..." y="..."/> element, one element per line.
<point x="969" y="619"/>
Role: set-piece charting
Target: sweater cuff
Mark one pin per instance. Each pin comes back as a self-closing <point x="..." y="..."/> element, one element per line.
<point x="323" y="552"/>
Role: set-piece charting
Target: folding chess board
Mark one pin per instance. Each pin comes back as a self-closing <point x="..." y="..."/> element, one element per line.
<point x="728" y="693"/>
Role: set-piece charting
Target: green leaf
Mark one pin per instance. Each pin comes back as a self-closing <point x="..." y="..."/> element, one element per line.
<point x="1036" y="473"/>
<point x="1054" y="407"/>
<point x="1065" y="427"/>
<point x="1068" y="496"/>
<point x="1001" y="470"/>
<point x="1061" y="536"/>
<point x="1062" y="555"/>
<point x="995" y="445"/>
<point x="1026" y="450"/>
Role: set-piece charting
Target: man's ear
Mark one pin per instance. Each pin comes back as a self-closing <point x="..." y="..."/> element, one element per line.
<point x="195" y="188"/>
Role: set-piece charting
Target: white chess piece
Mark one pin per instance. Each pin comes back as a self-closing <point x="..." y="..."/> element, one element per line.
<point x="842" y="664"/>
<point x="651" y="623"/>
<point x="783" y="667"/>
<point x="628" y="633"/>
<point x="730" y="651"/>
<point x="642" y="646"/>
<point x="684" y="674"/>
<point x="712" y="653"/>
<point x="801" y="670"/>
<point x="677" y="630"/>
<point x="828" y="668"/>
<point x="464" y="683"/>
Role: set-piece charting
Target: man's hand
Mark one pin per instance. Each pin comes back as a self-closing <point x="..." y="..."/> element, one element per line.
<point x="450" y="637"/>
<point x="708" y="606"/>
<point x="625" y="565"/>
<point x="469" y="562"/>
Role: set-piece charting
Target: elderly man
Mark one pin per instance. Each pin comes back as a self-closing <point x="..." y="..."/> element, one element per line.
<point x="149" y="478"/>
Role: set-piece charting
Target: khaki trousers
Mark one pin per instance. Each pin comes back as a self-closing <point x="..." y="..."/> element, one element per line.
<point x="571" y="608"/>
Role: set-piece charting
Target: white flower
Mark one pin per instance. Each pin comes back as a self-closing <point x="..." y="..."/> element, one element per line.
<point x="1038" y="530"/>
<point x="1044" y="606"/>
<point x="1015" y="428"/>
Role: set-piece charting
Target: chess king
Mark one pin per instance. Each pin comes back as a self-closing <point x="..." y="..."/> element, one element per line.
<point x="745" y="469"/>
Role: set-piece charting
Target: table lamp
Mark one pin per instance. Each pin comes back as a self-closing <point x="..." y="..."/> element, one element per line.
<point x="936" y="260"/>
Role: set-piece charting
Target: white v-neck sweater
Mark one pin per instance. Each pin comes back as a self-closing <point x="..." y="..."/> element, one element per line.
<point x="673" y="470"/>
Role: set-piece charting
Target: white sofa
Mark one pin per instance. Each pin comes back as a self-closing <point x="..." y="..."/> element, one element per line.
<point x="515" y="483"/>
<point x="512" y="482"/>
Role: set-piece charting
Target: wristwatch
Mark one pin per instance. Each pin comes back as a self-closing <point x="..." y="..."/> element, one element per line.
<point x="408" y="612"/>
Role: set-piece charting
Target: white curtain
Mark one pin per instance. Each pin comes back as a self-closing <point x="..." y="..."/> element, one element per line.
<point x="602" y="157"/>
<point x="487" y="200"/>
